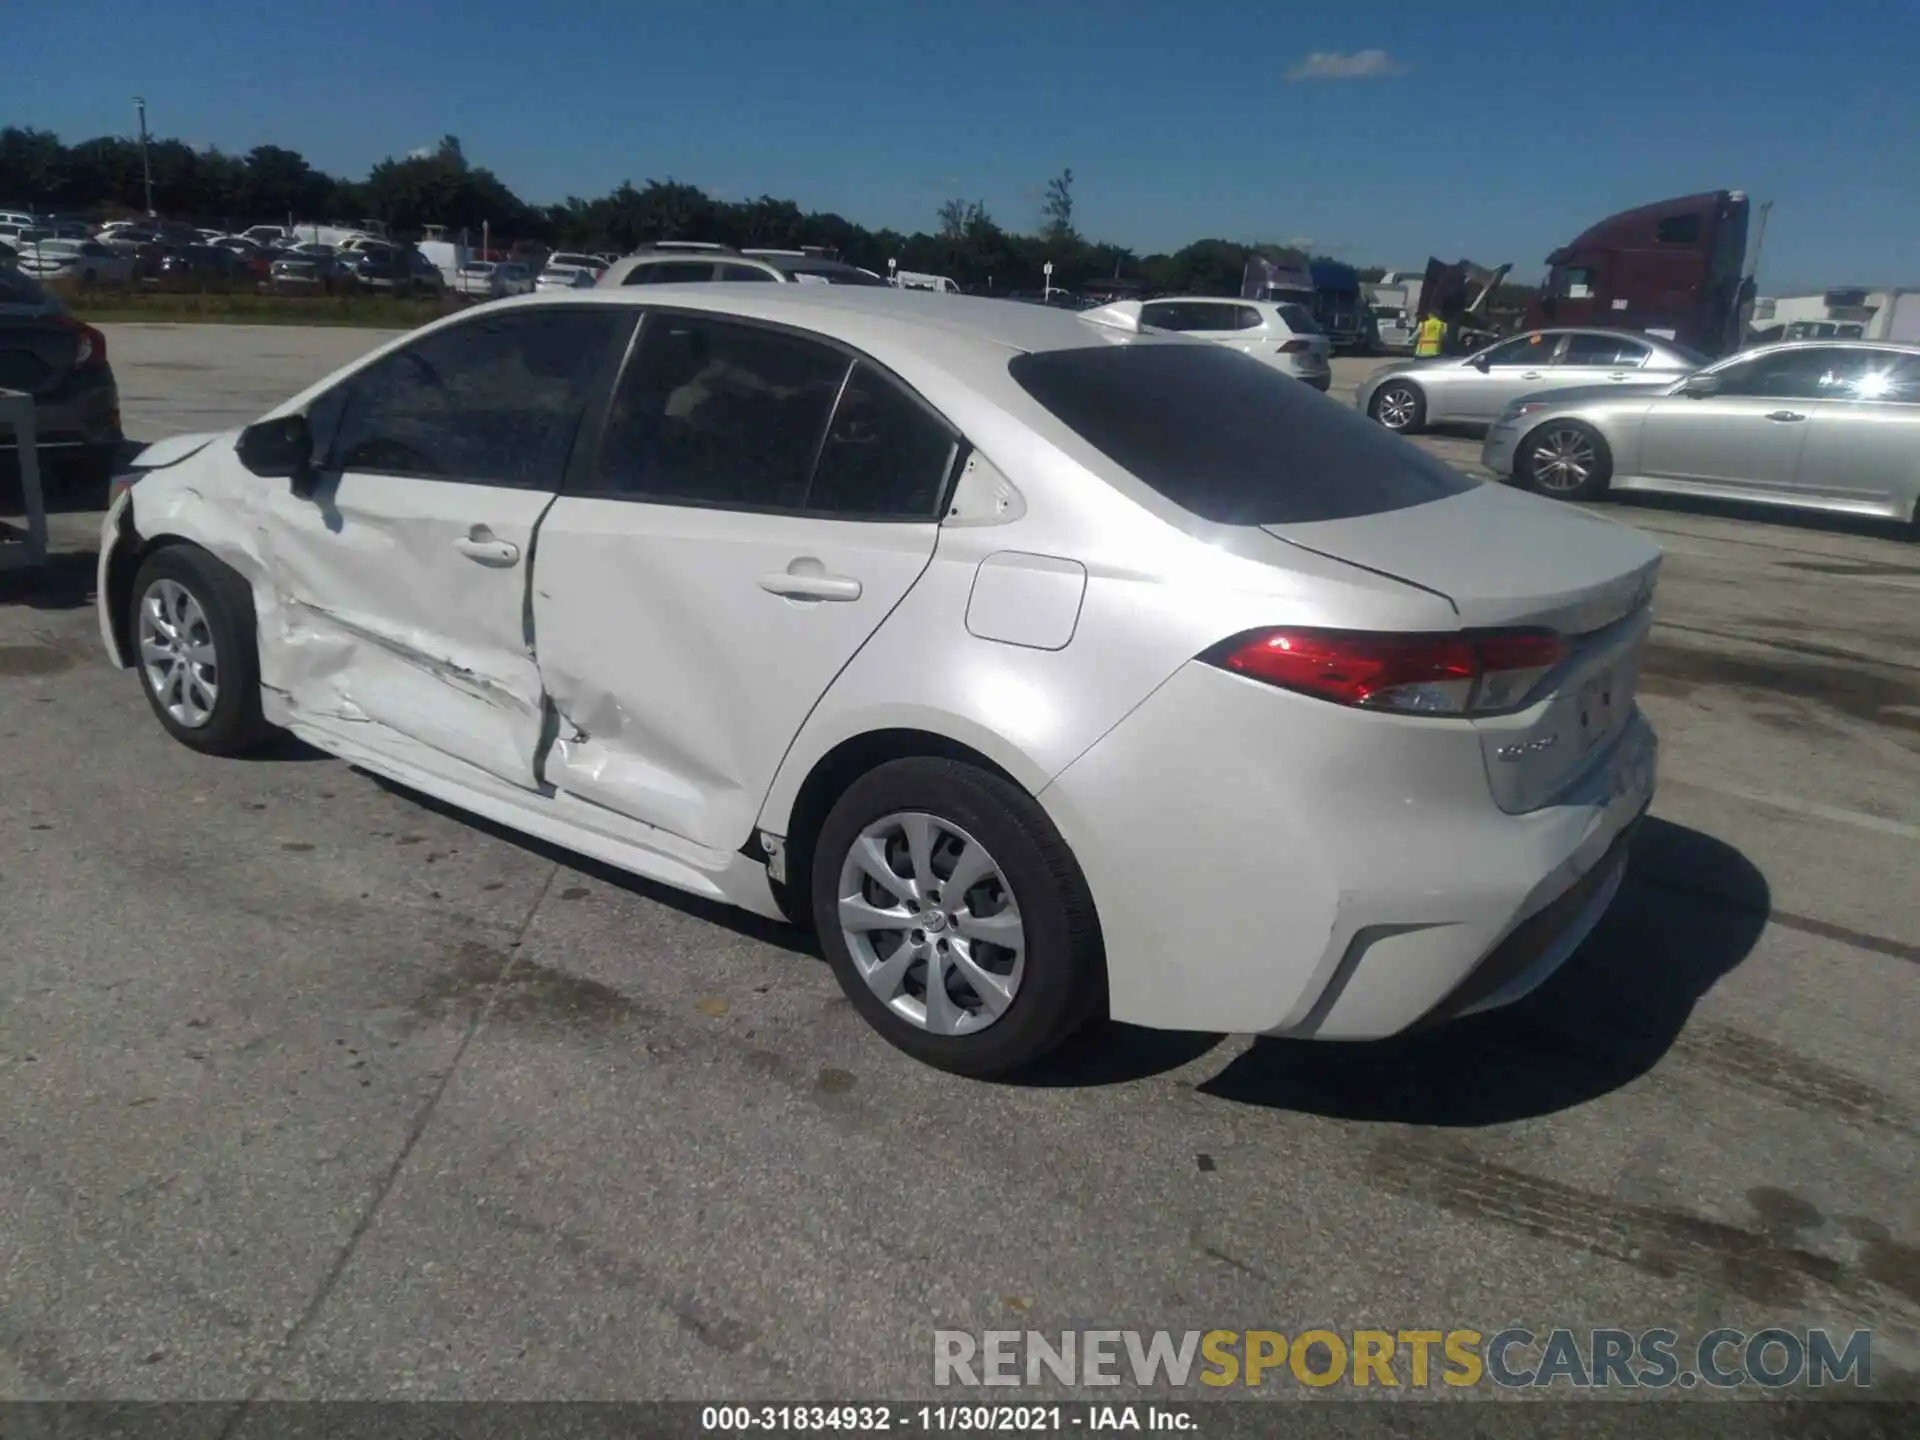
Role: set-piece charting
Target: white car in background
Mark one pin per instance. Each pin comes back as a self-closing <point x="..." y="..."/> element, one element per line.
<point x="564" y="271"/>
<point x="78" y="262"/>
<point x="492" y="279"/>
<point x="1050" y="667"/>
<point x="1276" y="333"/>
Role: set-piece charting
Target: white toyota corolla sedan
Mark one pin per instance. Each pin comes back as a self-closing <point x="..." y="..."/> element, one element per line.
<point x="1051" y="669"/>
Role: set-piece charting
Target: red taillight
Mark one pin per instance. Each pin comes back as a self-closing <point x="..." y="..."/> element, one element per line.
<point x="1296" y="347"/>
<point x="91" y="351"/>
<point x="1461" y="674"/>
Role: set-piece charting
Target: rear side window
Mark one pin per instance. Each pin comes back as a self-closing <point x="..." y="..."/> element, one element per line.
<point x="744" y="272"/>
<point x="718" y="414"/>
<point x="673" y="272"/>
<point x="885" y="456"/>
<point x="1229" y="439"/>
<point x="1603" y="350"/>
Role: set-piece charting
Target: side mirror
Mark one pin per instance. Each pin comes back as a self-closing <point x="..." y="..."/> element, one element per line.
<point x="1480" y="363"/>
<point x="280" y="449"/>
<point x="1700" y="386"/>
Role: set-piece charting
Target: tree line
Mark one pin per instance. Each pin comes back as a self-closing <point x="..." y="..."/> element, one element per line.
<point x="103" y="178"/>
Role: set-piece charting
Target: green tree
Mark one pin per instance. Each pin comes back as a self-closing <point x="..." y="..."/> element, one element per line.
<point x="1056" y="210"/>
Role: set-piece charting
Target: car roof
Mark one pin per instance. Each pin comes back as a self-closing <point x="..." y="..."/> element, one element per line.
<point x="1887" y="347"/>
<point x="878" y="317"/>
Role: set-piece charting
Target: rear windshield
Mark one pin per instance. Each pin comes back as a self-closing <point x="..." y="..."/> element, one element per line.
<point x="1299" y="319"/>
<point x="1229" y="439"/>
<point x="828" y="272"/>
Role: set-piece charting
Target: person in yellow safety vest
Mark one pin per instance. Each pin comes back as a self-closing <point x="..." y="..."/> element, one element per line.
<point x="1431" y="335"/>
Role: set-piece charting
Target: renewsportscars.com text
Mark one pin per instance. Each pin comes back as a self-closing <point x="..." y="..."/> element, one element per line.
<point x="1514" y="1358"/>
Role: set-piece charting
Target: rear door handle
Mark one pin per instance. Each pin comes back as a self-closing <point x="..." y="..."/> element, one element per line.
<point x="805" y="585"/>
<point x="1619" y="375"/>
<point x="480" y="546"/>
<point x="1785" y="415"/>
<point x="1532" y="375"/>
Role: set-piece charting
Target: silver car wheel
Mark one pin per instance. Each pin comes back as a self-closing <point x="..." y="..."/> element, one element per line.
<point x="931" y="923"/>
<point x="1397" y="407"/>
<point x="177" y="655"/>
<point x="1562" y="460"/>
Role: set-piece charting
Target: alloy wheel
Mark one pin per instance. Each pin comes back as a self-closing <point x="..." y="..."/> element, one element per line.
<point x="177" y="655"/>
<point x="1397" y="407"/>
<point x="1562" y="460"/>
<point x="931" y="923"/>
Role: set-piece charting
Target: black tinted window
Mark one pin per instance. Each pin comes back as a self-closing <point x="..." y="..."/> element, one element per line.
<point x="1810" y="374"/>
<point x="1603" y="350"/>
<point x="1889" y="377"/>
<point x="672" y="272"/>
<point x="713" y="413"/>
<point x="1299" y="320"/>
<point x="1229" y="439"/>
<point x="1678" y="230"/>
<point x="744" y="272"/>
<point x="493" y="401"/>
<point x="827" y="273"/>
<point x="885" y="455"/>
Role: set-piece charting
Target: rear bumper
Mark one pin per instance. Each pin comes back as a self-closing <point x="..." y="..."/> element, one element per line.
<point x="84" y="413"/>
<point x="1262" y="862"/>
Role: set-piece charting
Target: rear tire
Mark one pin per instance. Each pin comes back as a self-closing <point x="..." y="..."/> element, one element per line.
<point x="192" y="628"/>
<point x="1401" y="406"/>
<point x="922" y="821"/>
<point x="1564" y="460"/>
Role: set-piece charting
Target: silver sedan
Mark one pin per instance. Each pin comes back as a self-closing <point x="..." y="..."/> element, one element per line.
<point x="1409" y="395"/>
<point x="1824" y="426"/>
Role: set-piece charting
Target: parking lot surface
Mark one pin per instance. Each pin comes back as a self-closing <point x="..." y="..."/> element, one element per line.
<point x="314" y="1088"/>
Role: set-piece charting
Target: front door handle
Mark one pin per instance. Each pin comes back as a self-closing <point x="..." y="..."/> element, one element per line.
<point x="1785" y="415"/>
<point x="482" y="547"/>
<point x="1619" y="375"/>
<point x="1532" y="375"/>
<point x="808" y="580"/>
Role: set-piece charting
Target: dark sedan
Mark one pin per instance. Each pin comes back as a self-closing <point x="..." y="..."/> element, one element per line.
<point x="200" y="267"/>
<point x="62" y="364"/>
<point x="379" y="268"/>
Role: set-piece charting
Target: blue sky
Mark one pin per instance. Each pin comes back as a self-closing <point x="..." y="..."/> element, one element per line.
<point x="1492" y="131"/>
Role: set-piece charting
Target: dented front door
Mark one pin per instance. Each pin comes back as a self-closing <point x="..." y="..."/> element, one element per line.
<point x="401" y="609"/>
<point x="399" y="614"/>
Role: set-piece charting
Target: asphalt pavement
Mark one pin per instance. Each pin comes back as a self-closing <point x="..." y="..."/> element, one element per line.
<point x="315" y="1088"/>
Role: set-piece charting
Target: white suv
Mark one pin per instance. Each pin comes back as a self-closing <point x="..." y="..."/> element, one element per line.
<point x="683" y="262"/>
<point x="1282" y="334"/>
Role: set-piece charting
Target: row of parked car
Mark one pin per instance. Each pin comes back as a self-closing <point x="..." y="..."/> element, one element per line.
<point x="167" y="254"/>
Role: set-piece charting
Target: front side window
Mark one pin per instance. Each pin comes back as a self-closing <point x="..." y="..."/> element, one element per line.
<point x="1228" y="439"/>
<point x="720" y="414"/>
<point x="1820" y="372"/>
<point x="1609" y="350"/>
<point x="1165" y="316"/>
<point x="493" y="401"/>
<point x="1576" y="282"/>
<point x="1678" y="230"/>
<point x="1526" y="351"/>
<point x="744" y="272"/>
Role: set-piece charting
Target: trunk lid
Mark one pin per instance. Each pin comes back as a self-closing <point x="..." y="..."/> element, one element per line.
<point x="1504" y="559"/>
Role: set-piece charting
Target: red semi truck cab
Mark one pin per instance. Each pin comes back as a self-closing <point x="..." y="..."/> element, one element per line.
<point x="1672" y="269"/>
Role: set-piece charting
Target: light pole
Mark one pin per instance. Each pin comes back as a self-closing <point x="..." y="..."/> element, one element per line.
<point x="146" y="169"/>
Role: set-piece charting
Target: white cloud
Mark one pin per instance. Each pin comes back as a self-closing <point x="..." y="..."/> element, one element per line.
<point x="1360" y="65"/>
<point x="424" y="152"/>
<point x="1301" y="242"/>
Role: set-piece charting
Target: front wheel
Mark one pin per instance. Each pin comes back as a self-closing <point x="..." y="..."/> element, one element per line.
<point x="1565" y="460"/>
<point x="1400" y="406"/>
<point x="193" y="633"/>
<point x="955" y="918"/>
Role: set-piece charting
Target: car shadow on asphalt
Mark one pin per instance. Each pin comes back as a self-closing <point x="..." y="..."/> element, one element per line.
<point x="790" y="938"/>
<point x="65" y="582"/>
<point x="1690" y="910"/>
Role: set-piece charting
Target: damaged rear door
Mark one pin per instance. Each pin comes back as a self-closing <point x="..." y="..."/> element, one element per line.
<point x="758" y="503"/>
<point x="400" y="605"/>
